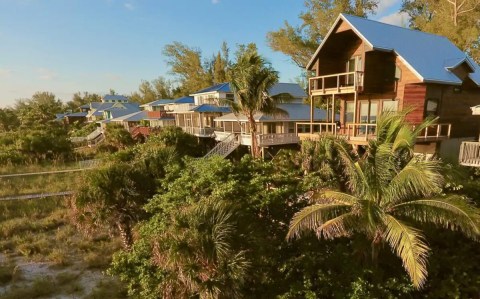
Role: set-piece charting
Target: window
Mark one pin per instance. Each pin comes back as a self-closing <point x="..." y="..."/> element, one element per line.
<point x="291" y="127"/>
<point x="271" y="128"/>
<point x="390" y="105"/>
<point x="349" y="111"/>
<point x="398" y="73"/>
<point x="431" y="108"/>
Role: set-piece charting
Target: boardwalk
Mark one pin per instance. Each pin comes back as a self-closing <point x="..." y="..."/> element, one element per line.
<point x="36" y="196"/>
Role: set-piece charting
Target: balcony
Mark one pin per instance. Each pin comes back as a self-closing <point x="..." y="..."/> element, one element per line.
<point x="263" y="140"/>
<point x="469" y="154"/>
<point x="199" y="132"/>
<point x="341" y="83"/>
<point x="360" y="134"/>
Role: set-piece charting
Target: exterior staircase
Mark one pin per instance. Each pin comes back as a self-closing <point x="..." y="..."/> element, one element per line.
<point x="95" y="137"/>
<point x="224" y="147"/>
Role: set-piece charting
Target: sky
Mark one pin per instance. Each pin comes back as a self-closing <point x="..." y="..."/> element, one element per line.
<point x="68" y="46"/>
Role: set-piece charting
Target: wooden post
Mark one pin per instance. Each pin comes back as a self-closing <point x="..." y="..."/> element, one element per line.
<point x="334" y="130"/>
<point x="311" y="113"/>
<point x="355" y="109"/>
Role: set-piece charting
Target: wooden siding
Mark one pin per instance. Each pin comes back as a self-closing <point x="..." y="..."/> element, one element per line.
<point x="455" y="108"/>
<point x="379" y="76"/>
<point x="414" y="98"/>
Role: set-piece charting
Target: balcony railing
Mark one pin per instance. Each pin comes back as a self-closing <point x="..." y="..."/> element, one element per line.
<point x="336" y="83"/>
<point x="469" y="154"/>
<point x="201" y="132"/>
<point x="435" y="132"/>
<point x="362" y="132"/>
<point x="275" y="139"/>
<point x="263" y="140"/>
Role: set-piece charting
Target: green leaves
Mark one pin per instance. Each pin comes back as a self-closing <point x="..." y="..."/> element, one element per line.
<point x="388" y="181"/>
<point x="409" y="245"/>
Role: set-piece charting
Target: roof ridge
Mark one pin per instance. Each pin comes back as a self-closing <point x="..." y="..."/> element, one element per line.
<point x="391" y="25"/>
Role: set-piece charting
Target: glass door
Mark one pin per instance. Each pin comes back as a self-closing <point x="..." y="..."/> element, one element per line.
<point x="368" y="115"/>
<point x="354" y="64"/>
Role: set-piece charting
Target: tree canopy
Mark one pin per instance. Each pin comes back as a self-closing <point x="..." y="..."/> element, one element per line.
<point x="300" y="42"/>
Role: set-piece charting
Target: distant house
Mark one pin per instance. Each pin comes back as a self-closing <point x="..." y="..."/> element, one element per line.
<point x="109" y="98"/>
<point x="72" y="117"/>
<point x="197" y="118"/>
<point x="367" y="67"/>
<point x="272" y="130"/>
<point x="158" y="105"/>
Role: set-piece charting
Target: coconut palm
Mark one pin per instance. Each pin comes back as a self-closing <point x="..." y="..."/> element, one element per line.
<point x="250" y="79"/>
<point x="388" y="186"/>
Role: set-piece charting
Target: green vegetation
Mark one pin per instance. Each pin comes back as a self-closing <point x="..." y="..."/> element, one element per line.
<point x="384" y="186"/>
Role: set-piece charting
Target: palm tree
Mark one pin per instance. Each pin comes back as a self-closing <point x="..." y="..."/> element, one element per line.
<point x="199" y="253"/>
<point x="386" y="187"/>
<point x="251" y="77"/>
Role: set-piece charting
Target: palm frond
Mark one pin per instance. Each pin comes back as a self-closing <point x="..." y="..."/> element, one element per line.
<point x="338" y="197"/>
<point x="311" y="217"/>
<point x="451" y="212"/>
<point x="409" y="245"/>
<point x="341" y="226"/>
<point x="419" y="178"/>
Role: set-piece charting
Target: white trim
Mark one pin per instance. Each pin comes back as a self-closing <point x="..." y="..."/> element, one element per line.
<point x="414" y="71"/>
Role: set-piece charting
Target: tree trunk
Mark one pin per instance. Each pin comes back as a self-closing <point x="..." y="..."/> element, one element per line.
<point x="253" y="133"/>
<point x="125" y="233"/>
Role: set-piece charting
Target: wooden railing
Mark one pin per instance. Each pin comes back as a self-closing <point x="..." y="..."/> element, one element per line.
<point x="336" y="83"/>
<point x="361" y="132"/>
<point x="469" y="154"/>
<point x="274" y="139"/>
<point x="320" y="128"/>
<point x="436" y="131"/>
<point x="202" y="132"/>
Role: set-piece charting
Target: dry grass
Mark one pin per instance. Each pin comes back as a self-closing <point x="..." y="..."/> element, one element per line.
<point x="39" y="231"/>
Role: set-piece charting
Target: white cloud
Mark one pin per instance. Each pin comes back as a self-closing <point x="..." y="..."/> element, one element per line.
<point x="5" y="73"/>
<point x="398" y="19"/>
<point x="383" y="5"/>
<point x="215" y="1"/>
<point x="128" y="6"/>
<point x="46" y="74"/>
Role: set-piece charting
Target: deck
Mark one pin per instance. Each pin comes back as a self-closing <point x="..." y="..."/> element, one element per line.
<point x="263" y="140"/>
<point x="341" y="83"/>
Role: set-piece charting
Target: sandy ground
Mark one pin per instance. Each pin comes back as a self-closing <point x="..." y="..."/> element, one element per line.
<point x="26" y="272"/>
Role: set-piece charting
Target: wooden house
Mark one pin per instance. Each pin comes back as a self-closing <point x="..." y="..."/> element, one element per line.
<point x="271" y="129"/>
<point x="364" y="67"/>
<point x="197" y="118"/>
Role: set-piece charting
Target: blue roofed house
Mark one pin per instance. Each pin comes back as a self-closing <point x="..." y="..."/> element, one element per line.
<point x="197" y="117"/>
<point x="366" y="67"/>
<point x="272" y="130"/>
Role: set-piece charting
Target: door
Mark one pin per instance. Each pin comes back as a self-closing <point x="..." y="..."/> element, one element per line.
<point x="368" y="115"/>
<point x="354" y="64"/>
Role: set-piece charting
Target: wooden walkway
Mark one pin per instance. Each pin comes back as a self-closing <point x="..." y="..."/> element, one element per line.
<point x="36" y="196"/>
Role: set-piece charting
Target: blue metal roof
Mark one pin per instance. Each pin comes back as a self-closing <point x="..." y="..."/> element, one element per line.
<point x="184" y="100"/>
<point x="296" y="112"/>
<point x="135" y="116"/>
<point x="429" y="55"/>
<point x="158" y="102"/>
<point x="211" y="108"/>
<point x="77" y="114"/>
<point x="222" y="87"/>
